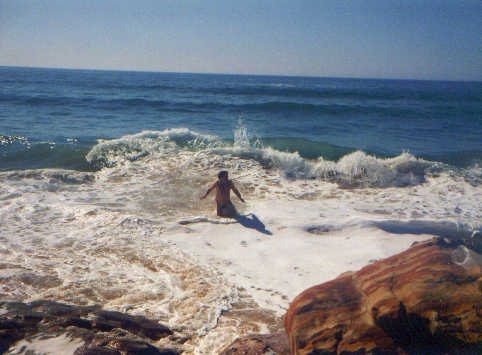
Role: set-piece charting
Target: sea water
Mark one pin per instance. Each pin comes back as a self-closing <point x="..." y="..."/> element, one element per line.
<point x="101" y="173"/>
<point x="53" y="117"/>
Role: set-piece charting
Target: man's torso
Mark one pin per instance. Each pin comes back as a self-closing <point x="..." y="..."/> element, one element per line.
<point x="223" y="192"/>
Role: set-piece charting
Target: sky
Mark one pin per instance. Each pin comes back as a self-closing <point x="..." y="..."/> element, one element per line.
<point x="406" y="39"/>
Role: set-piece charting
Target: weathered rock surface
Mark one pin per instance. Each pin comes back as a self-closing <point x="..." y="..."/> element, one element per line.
<point x="96" y="330"/>
<point x="426" y="300"/>
<point x="259" y="344"/>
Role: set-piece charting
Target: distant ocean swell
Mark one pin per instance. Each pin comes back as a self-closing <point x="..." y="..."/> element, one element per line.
<point x="291" y="91"/>
<point x="276" y="107"/>
<point x="334" y="93"/>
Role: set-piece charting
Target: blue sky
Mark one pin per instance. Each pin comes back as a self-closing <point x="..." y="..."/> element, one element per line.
<point x="419" y="39"/>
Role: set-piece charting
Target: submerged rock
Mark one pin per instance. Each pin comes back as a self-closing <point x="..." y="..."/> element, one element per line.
<point x="96" y="331"/>
<point x="267" y="344"/>
<point x="421" y="301"/>
<point x="103" y="346"/>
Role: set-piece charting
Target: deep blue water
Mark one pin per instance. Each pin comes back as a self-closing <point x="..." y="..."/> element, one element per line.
<point x="52" y="117"/>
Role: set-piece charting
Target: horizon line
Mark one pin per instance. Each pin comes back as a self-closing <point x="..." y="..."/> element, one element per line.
<point x="240" y="74"/>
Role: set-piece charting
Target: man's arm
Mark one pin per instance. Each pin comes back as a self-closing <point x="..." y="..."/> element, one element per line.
<point x="209" y="190"/>
<point x="235" y="190"/>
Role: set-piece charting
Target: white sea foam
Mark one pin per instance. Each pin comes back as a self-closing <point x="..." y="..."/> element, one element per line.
<point x="135" y="237"/>
<point x="205" y="220"/>
<point x="47" y="346"/>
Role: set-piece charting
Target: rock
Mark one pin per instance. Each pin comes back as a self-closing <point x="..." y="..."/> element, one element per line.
<point x="416" y="302"/>
<point x="269" y="344"/>
<point x="100" y="331"/>
<point x="105" y="346"/>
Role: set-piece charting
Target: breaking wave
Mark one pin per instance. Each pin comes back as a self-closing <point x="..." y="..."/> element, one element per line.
<point x="133" y="147"/>
<point x="355" y="169"/>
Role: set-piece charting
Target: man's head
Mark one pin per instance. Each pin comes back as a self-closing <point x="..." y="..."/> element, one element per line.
<point x="223" y="175"/>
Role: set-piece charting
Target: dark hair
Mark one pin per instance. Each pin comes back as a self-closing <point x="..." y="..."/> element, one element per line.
<point x="222" y="173"/>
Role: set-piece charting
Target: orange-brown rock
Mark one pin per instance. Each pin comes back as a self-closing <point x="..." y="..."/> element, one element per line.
<point x="425" y="300"/>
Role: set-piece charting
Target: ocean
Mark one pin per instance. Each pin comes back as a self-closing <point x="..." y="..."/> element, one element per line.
<point x="54" y="117"/>
<point x="101" y="174"/>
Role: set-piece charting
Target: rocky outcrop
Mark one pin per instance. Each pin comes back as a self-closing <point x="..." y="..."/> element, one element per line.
<point x="426" y="300"/>
<point x="95" y="330"/>
<point x="259" y="344"/>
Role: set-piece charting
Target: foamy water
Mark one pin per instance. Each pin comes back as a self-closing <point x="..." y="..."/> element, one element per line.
<point x="135" y="237"/>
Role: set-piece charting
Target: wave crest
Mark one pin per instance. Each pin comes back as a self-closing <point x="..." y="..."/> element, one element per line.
<point x="356" y="169"/>
<point x="108" y="153"/>
<point x="359" y="168"/>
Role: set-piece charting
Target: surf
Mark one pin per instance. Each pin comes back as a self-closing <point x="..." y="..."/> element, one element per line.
<point x="351" y="169"/>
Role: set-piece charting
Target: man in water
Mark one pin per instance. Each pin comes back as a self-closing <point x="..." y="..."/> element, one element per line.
<point x="223" y="186"/>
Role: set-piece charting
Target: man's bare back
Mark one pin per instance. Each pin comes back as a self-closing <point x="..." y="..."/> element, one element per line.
<point x="223" y="187"/>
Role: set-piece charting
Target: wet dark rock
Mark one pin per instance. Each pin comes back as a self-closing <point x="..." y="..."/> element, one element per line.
<point x="259" y="344"/>
<point x="112" y="346"/>
<point x="101" y="331"/>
